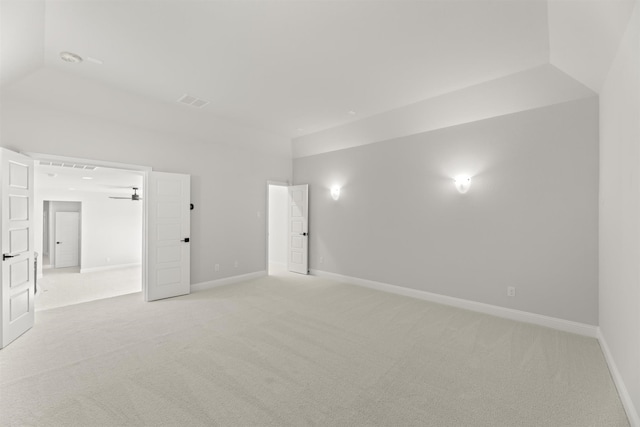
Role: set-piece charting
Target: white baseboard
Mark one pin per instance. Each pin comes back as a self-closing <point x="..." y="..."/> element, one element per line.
<point x="195" y="287"/>
<point x="629" y="407"/>
<point x="109" y="267"/>
<point x="494" y="310"/>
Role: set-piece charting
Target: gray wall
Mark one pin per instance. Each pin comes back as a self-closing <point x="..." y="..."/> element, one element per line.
<point x="530" y="219"/>
<point x="620" y="212"/>
<point x="227" y="183"/>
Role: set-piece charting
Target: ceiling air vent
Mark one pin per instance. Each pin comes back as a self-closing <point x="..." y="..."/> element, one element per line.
<point x="192" y="101"/>
<point x="68" y="165"/>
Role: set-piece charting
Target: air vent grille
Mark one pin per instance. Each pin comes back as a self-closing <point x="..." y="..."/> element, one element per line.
<point x="68" y="165"/>
<point x="192" y="101"/>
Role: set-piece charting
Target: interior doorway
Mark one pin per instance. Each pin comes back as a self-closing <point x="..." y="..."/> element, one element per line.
<point x="61" y="234"/>
<point x="277" y="222"/>
<point x="90" y="234"/>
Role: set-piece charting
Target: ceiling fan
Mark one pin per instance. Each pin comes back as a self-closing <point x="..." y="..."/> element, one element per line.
<point x="134" y="196"/>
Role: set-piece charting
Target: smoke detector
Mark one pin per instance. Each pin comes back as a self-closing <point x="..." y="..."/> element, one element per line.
<point x="70" y="57"/>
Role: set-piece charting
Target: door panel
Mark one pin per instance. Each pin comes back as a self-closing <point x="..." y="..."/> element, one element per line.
<point x="17" y="314"/>
<point x="168" y="254"/>
<point x="298" y="229"/>
<point x="67" y="237"/>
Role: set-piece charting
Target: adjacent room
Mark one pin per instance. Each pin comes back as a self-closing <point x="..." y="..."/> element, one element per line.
<point x="336" y="213"/>
<point x="91" y="234"/>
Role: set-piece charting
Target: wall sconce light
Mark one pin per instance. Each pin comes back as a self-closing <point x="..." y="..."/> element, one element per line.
<point x="462" y="183"/>
<point x="335" y="192"/>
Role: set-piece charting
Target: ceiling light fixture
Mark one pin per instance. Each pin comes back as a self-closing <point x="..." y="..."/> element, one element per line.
<point x="87" y="177"/>
<point x="70" y="57"/>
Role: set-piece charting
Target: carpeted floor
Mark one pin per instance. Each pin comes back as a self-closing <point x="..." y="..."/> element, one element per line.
<point x="294" y="351"/>
<point x="66" y="286"/>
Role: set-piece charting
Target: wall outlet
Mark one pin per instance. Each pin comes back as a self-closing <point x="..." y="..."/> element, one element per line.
<point x="511" y="291"/>
<point x="235" y="264"/>
<point x="321" y="260"/>
<point x="216" y="267"/>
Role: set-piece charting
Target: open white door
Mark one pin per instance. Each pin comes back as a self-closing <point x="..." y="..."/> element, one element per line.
<point x="17" y="245"/>
<point x="168" y="252"/>
<point x="298" y="257"/>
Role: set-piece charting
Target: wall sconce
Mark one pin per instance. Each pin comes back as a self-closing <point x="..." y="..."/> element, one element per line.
<point x="335" y="192"/>
<point x="462" y="183"/>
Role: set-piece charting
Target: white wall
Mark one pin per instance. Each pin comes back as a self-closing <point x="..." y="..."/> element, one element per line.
<point x="227" y="183"/>
<point x="278" y="202"/>
<point x="620" y="212"/>
<point x="530" y="219"/>
<point x="110" y="229"/>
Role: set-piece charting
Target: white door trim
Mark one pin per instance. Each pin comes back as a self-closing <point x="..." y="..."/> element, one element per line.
<point x="144" y="171"/>
<point x="266" y="220"/>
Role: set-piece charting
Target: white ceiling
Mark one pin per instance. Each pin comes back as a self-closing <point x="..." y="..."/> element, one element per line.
<point x="271" y="67"/>
<point x="284" y="65"/>
<point x="115" y="182"/>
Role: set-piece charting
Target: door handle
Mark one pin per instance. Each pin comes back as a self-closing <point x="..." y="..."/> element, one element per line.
<point x="186" y="240"/>
<point x="5" y="256"/>
<point x="303" y="234"/>
<point x="57" y="243"/>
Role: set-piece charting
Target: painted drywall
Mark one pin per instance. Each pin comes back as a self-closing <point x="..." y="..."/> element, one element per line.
<point x="21" y="38"/>
<point x="228" y="223"/>
<point x="111" y="230"/>
<point x="55" y="207"/>
<point x="620" y="210"/>
<point x="278" y="197"/>
<point x="529" y="220"/>
<point x="534" y="88"/>
<point x="584" y="37"/>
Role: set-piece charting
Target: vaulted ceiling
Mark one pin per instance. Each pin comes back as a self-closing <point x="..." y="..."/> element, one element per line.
<point x="293" y="68"/>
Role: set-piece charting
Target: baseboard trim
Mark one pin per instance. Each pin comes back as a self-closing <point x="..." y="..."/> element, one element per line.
<point x="202" y="286"/>
<point x="629" y="407"/>
<point x="494" y="310"/>
<point x="109" y="267"/>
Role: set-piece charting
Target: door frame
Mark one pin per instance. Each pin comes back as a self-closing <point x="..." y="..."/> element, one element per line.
<point x="266" y="219"/>
<point x="143" y="170"/>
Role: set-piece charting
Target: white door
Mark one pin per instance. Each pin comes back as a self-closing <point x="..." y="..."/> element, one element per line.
<point x="67" y="231"/>
<point x="298" y="256"/>
<point x="168" y="252"/>
<point x="17" y="245"/>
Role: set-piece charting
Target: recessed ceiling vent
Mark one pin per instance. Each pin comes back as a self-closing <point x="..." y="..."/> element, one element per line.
<point x="192" y="101"/>
<point x="68" y="165"/>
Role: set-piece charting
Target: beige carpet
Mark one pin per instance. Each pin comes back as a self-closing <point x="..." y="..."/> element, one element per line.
<point x="298" y="351"/>
<point x="66" y="286"/>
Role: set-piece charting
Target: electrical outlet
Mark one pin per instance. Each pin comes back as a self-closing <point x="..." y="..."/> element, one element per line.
<point x="216" y="267"/>
<point x="511" y="291"/>
<point x="235" y="264"/>
<point x="321" y="260"/>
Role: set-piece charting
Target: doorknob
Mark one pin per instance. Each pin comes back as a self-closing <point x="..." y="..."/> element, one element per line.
<point x="303" y="234"/>
<point x="5" y="256"/>
<point x="186" y="240"/>
<point x="57" y="243"/>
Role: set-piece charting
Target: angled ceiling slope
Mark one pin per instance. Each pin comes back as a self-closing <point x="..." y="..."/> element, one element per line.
<point x="282" y="70"/>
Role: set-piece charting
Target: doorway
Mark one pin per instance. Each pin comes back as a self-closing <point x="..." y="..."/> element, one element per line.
<point x="277" y="221"/>
<point x="91" y="232"/>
